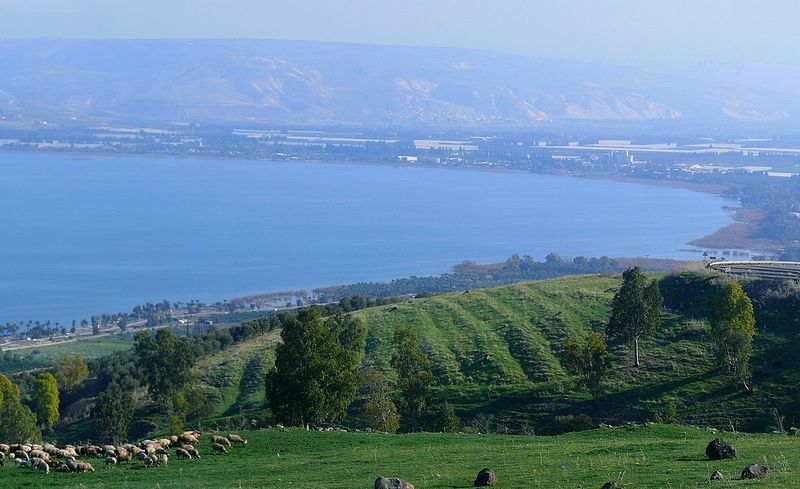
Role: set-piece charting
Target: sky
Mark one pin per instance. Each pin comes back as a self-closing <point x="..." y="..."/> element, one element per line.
<point x="638" y="30"/>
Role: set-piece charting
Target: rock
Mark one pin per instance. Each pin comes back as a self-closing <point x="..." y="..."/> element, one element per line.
<point x="716" y="476"/>
<point x="793" y="431"/>
<point x="612" y="485"/>
<point x="485" y="478"/>
<point x="392" y="483"/>
<point x="754" y="471"/>
<point x="719" y="449"/>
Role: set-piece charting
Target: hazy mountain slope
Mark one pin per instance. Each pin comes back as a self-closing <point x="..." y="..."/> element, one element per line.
<point x="314" y="82"/>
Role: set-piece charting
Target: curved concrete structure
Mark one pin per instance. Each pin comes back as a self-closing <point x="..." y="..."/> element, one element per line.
<point x="773" y="270"/>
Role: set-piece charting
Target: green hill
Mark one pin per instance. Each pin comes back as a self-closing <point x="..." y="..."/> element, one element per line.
<point x="496" y="354"/>
<point x="654" y="457"/>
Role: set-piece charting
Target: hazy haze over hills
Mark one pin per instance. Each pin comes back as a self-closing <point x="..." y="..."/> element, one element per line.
<point x="253" y="81"/>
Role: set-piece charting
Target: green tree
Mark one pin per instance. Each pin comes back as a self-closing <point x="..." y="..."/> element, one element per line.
<point x="70" y="371"/>
<point x="166" y="363"/>
<point x="590" y="359"/>
<point x="379" y="411"/>
<point x="17" y="422"/>
<point x="733" y="326"/>
<point x="635" y="310"/>
<point x="445" y="419"/>
<point x="413" y="372"/>
<point x="315" y="376"/>
<point x="113" y="412"/>
<point x="44" y="395"/>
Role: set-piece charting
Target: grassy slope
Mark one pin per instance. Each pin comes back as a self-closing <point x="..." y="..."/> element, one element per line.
<point x="42" y="356"/>
<point x="647" y="457"/>
<point x="497" y="351"/>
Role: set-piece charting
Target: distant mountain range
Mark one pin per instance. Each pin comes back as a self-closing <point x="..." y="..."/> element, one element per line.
<point x="243" y="81"/>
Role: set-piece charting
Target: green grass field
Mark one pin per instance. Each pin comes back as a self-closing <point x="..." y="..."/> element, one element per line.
<point x="42" y="356"/>
<point x="660" y="456"/>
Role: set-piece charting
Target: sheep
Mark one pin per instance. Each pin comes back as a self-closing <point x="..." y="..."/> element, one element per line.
<point x="220" y="440"/>
<point x="84" y="467"/>
<point x="237" y="439"/>
<point x="71" y="464"/>
<point x="23" y="455"/>
<point x="188" y="438"/>
<point x="219" y="448"/>
<point x="164" y="459"/>
<point x="192" y="451"/>
<point x="180" y="452"/>
<point x="174" y="440"/>
<point x="5" y="448"/>
<point x="109" y="448"/>
<point x="111" y="461"/>
<point x="123" y="455"/>
<point x="21" y="462"/>
<point x="164" y="442"/>
<point x="2" y="459"/>
<point x="43" y="466"/>
<point x="143" y="456"/>
<point x="36" y="461"/>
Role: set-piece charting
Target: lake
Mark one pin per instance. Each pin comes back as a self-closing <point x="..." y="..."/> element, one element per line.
<point x="82" y="236"/>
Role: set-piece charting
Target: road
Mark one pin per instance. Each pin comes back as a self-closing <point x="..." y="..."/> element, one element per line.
<point x="773" y="270"/>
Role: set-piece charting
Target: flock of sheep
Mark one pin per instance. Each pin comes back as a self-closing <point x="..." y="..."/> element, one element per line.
<point x="151" y="453"/>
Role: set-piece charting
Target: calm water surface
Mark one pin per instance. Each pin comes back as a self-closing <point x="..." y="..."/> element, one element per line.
<point x="84" y="236"/>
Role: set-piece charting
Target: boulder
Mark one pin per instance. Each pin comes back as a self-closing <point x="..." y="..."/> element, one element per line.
<point x="754" y="471"/>
<point x="612" y="485"/>
<point x="719" y="449"/>
<point x="392" y="483"/>
<point x="485" y="478"/>
<point x="716" y="476"/>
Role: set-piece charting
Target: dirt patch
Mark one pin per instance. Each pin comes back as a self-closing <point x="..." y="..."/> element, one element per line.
<point x="740" y="234"/>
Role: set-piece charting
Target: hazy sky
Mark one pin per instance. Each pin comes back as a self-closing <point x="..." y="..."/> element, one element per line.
<point x="728" y="30"/>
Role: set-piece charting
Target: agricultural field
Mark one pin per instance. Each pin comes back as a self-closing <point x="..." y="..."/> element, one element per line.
<point x="42" y="356"/>
<point x="659" y="456"/>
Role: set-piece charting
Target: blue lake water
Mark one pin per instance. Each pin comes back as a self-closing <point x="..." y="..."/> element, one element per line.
<point x="85" y="236"/>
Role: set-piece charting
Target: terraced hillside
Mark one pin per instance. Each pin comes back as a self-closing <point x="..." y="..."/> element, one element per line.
<point x="496" y="354"/>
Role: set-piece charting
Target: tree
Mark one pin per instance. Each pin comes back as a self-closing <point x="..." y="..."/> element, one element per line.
<point x="445" y="419"/>
<point x="17" y="422"/>
<point x="70" y="371"/>
<point x="379" y="411"/>
<point x="45" y="399"/>
<point x="589" y="359"/>
<point x="113" y="412"/>
<point x="166" y="363"/>
<point x="733" y="326"/>
<point x="413" y="372"/>
<point x="635" y="310"/>
<point x="315" y="375"/>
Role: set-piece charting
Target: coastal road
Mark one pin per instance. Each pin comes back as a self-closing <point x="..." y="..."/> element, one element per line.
<point x="773" y="270"/>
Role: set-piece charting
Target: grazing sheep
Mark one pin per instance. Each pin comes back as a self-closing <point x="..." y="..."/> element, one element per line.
<point x="174" y="440"/>
<point x="164" y="442"/>
<point x="84" y="467"/>
<point x="192" y="451"/>
<point x="2" y="459"/>
<point x="164" y="459"/>
<point x="189" y="438"/>
<point x="237" y="439"/>
<point x="181" y="453"/>
<point x="123" y="455"/>
<point x="5" y="448"/>
<point x="36" y="461"/>
<point x="219" y="448"/>
<point x="220" y="440"/>
<point x="111" y="461"/>
<point x="71" y="464"/>
<point x="23" y="455"/>
<point x="21" y="462"/>
<point x="143" y="456"/>
<point x="43" y="466"/>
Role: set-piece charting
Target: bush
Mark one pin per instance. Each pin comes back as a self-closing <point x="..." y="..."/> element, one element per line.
<point x="570" y="423"/>
<point x="175" y="425"/>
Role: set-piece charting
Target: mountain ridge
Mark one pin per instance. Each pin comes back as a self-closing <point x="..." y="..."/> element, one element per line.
<point x="312" y="82"/>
